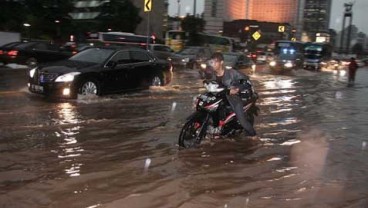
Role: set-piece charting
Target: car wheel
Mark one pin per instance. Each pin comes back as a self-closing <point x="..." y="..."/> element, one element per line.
<point x="89" y="87"/>
<point x="31" y="62"/>
<point x="157" y="80"/>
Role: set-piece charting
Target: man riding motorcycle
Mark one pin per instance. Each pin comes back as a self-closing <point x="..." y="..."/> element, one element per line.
<point x="238" y="83"/>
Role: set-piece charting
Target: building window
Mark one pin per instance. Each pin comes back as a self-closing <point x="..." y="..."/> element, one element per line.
<point x="214" y="8"/>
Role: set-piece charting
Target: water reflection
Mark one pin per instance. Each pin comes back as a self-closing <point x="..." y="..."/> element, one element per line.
<point x="68" y="131"/>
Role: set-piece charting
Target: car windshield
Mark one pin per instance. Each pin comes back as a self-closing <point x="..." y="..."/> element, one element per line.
<point x="94" y="55"/>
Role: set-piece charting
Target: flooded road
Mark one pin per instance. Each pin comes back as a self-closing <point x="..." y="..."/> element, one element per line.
<point x="121" y="150"/>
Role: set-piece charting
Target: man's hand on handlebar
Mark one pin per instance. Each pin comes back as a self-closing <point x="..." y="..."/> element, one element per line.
<point x="234" y="90"/>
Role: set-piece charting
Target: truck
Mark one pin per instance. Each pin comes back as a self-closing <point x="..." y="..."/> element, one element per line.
<point x="317" y="55"/>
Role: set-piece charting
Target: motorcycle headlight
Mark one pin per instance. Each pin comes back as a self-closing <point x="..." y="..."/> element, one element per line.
<point x="273" y="63"/>
<point x="203" y="66"/>
<point x="32" y="72"/>
<point x="69" y="77"/>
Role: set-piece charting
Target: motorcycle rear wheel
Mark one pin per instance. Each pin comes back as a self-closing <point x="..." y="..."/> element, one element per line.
<point x="189" y="136"/>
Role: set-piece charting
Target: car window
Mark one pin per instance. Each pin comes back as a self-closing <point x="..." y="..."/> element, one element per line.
<point x="25" y="45"/>
<point x="93" y="55"/>
<point x="40" y="46"/>
<point x="139" y="56"/>
<point x="162" y="48"/>
<point x="122" y="57"/>
<point x="52" y="47"/>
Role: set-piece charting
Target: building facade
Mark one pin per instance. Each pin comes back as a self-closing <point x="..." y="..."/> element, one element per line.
<point x="316" y="17"/>
<point x="153" y="22"/>
<point x="307" y="17"/>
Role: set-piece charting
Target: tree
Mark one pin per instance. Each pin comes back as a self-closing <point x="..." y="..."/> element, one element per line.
<point x="357" y="49"/>
<point x="12" y="15"/>
<point x="193" y="25"/>
<point x="119" y="15"/>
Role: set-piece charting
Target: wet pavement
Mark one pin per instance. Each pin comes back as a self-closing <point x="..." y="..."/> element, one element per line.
<point x="121" y="150"/>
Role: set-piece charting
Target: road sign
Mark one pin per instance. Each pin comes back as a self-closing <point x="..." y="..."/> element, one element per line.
<point x="281" y="28"/>
<point x="256" y="35"/>
<point x="147" y="5"/>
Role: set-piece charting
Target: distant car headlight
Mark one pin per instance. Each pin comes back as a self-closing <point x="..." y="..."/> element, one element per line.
<point x="288" y="65"/>
<point x="203" y="66"/>
<point x="185" y="60"/>
<point x="69" y="77"/>
<point x="32" y="72"/>
<point x="273" y="63"/>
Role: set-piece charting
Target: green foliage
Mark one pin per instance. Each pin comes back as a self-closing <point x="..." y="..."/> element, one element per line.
<point x="119" y="15"/>
<point x="193" y="25"/>
<point x="12" y="15"/>
<point x="357" y="49"/>
<point x="50" y="18"/>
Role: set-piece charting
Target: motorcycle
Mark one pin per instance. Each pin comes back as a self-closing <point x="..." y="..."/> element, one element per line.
<point x="214" y="116"/>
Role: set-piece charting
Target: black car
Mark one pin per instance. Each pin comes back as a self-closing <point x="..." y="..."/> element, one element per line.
<point x="195" y="56"/>
<point x="165" y="52"/>
<point x="31" y="53"/>
<point x="286" y="62"/>
<point x="100" y="70"/>
<point x="5" y="49"/>
<point x="238" y="61"/>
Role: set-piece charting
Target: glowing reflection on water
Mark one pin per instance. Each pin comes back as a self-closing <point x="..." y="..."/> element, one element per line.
<point x="70" y="148"/>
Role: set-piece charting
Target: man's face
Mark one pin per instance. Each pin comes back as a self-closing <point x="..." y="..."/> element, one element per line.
<point x="216" y="64"/>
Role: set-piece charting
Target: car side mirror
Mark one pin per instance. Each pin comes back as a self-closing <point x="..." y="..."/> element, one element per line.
<point x="111" y="64"/>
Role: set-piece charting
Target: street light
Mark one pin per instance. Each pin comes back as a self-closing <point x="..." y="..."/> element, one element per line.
<point x="57" y="22"/>
<point x="28" y="29"/>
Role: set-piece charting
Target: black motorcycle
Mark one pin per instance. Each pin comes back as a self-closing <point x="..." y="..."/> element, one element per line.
<point x="214" y="116"/>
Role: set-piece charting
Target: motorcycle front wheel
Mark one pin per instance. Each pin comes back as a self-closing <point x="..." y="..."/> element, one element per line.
<point x="190" y="135"/>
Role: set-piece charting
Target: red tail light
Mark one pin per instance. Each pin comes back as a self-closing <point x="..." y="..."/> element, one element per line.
<point x="1" y="52"/>
<point x="13" y="53"/>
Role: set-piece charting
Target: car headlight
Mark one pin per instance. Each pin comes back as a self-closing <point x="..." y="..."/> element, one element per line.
<point x="288" y="64"/>
<point x="185" y="60"/>
<point x="32" y="72"/>
<point x="253" y="67"/>
<point x="69" y="77"/>
<point x="273" y="63"/>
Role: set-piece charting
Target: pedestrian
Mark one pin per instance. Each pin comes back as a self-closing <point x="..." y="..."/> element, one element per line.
<point x="353" y="66"/>
<point x="230" y="79"/>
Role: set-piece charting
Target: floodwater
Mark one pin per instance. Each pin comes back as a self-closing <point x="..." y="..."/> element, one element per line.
<point x="121" y="150"/>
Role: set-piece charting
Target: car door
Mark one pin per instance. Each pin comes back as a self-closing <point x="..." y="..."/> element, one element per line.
<point x="116" y="74"/>
<point x="42" y="53"/>
<point x="142" y="70"/>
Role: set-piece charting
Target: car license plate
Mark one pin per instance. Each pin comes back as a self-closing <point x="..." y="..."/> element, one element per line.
<point x="37" y="88"/>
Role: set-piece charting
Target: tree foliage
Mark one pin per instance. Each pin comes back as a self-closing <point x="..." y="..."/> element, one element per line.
<point x="50" y="19"/>
<point x="193" y="25"/>
<point x="119" y="15"/>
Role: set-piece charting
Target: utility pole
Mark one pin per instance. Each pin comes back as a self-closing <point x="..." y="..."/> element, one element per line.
<point x="178" y="8"/>
<point x="347" y="13"/>
<point x="195" y="8"/>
